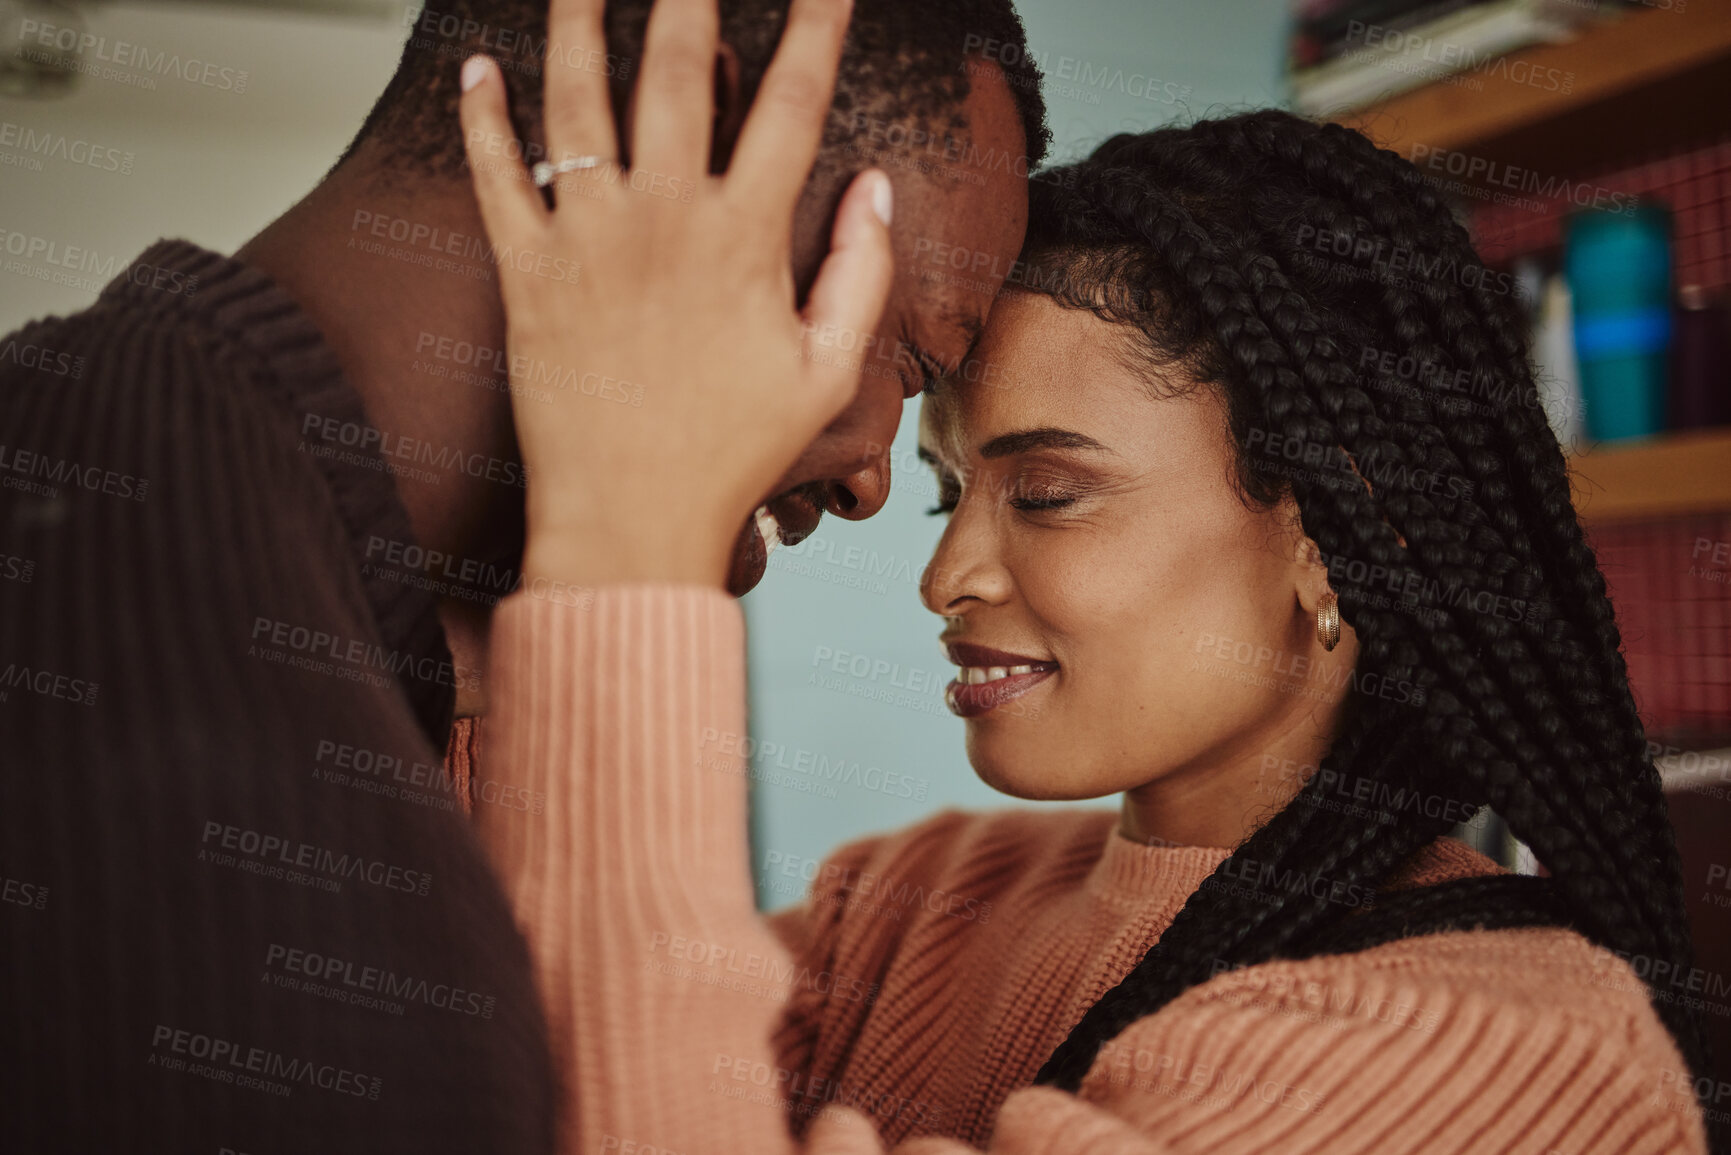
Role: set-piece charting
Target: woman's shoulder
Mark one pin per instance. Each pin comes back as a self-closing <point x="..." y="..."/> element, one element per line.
<point x="1543" y="971"/>
<point x="1543" y="994"/>
<point x="1444" y="860"/>
<point x="1524" y="971"/>
<point x="1438" y="1012"/>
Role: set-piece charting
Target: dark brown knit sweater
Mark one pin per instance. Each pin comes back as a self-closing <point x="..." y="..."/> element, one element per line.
<point x="241" y="909"/>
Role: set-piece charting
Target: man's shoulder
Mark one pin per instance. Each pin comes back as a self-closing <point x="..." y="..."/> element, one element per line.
<point x="178" y="317"/>
<point x="188" y="363"/>
<point x="136" y="341"/>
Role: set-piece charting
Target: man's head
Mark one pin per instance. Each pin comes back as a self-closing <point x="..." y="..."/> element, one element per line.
<point x="943" y="97"/>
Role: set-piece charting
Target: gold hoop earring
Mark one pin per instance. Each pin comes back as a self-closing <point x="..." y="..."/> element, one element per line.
<point x="1328" y="620"/>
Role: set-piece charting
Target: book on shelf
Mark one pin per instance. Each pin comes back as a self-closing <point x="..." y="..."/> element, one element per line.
<point x="1465" y="44"/>
<point x="1324" y="29"/>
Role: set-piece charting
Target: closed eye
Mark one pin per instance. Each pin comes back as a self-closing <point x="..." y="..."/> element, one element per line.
<point x="1049" y="500"/>
<point x="949" y="490"/>
<point x="949" y="493"/>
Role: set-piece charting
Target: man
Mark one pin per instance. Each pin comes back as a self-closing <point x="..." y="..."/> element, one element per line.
<point x="260" y="534"/>
<point x="958" y="162"/>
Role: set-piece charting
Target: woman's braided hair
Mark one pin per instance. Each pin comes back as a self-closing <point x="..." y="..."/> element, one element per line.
<point x="1376" y="370"/>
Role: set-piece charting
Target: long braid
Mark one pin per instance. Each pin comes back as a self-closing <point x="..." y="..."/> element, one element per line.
<point x="1361" y="189"/>
<point x="1394" y="195"/>
<point x="1194" y="238"/>
<point x="1359" y="186"/>
<point x="1379" y="183"/>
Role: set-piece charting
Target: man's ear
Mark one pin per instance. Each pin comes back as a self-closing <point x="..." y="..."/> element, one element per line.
<point x="730" y="108"/>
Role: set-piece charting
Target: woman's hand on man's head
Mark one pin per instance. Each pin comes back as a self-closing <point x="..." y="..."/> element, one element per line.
<point x="622" y="292"/>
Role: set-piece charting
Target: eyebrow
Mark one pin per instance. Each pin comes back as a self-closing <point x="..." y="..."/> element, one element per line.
<point x="1028" y="440"/>
<point x="973" y="326"/>
<point x="933" y="365"/>
<point x="932" y="369"/>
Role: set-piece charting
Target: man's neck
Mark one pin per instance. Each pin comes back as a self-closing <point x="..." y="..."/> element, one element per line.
<point x="398" y="280"/>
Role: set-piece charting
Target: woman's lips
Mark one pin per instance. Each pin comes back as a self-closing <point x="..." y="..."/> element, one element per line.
<point x="989" y="678"/>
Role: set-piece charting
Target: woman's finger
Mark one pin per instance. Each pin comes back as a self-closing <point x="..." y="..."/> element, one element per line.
<point x="843" y="1131"/>
<point x="675" y="95"/>
<point x="510" y="206"/>
<point x="577" y="109"/>
<point x="781" y="136"/>
<point x="854" y="281"/>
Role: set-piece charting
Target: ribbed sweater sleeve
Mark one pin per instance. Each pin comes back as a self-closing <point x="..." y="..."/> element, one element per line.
<point x="634" y="892"/>
<point x="659" y="978"/>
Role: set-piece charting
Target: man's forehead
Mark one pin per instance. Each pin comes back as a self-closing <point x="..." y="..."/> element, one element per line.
<point x="946" y="317"/>
<point x="954" y="253"/>
<point x="961" y="324"/>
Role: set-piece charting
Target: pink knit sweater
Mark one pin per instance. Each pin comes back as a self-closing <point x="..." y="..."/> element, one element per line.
<point x="932" y="971"/>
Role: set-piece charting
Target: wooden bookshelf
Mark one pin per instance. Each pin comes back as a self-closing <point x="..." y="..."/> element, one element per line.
<point x="1676" y="473"/>
<point x="1645" y="80"/>
<point x="1666" y="69"/>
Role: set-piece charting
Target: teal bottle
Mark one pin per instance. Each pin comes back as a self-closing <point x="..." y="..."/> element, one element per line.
<point x="1618" y="265"/>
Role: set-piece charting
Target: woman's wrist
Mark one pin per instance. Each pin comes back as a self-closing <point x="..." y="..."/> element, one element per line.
<point x="647" y="550"/>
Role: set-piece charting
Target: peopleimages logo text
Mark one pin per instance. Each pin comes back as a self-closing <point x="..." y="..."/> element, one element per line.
<point x="286" y="852"/>
<point x="35" y="35"/>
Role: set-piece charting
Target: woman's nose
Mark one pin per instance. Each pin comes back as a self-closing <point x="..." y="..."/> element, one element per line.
<point x="965" y="570"/>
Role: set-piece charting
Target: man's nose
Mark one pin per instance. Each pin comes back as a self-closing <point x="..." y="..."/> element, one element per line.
<point x="860" y="495"/>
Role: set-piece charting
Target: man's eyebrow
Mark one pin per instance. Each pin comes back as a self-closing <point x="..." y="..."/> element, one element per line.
<point x="1027" y="440"/>
<point x="973" y="327"/>
<point x="934" y="366"/>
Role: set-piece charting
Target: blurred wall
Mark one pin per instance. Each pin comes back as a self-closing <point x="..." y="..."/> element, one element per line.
<point x="212" y="159"/>
<point x="846" y="674"/>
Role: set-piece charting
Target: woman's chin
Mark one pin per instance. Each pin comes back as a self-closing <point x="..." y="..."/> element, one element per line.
<point x="1007" y="784"/>
<point x="1053" y="763"/>
<point x="1017" y="773"/>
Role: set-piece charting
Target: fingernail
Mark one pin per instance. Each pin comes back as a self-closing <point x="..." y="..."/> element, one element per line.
<point x="883" y="199"/>
<point x="474" y="71"/>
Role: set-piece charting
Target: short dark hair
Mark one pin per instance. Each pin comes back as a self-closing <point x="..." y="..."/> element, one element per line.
<point x="905" y="70"/>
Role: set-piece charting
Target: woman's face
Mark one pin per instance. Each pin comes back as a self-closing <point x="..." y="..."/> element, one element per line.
<point x="1165" y="631"/>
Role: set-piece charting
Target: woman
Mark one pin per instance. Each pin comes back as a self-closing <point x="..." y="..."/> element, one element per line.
<point x="1304" y="615"/>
